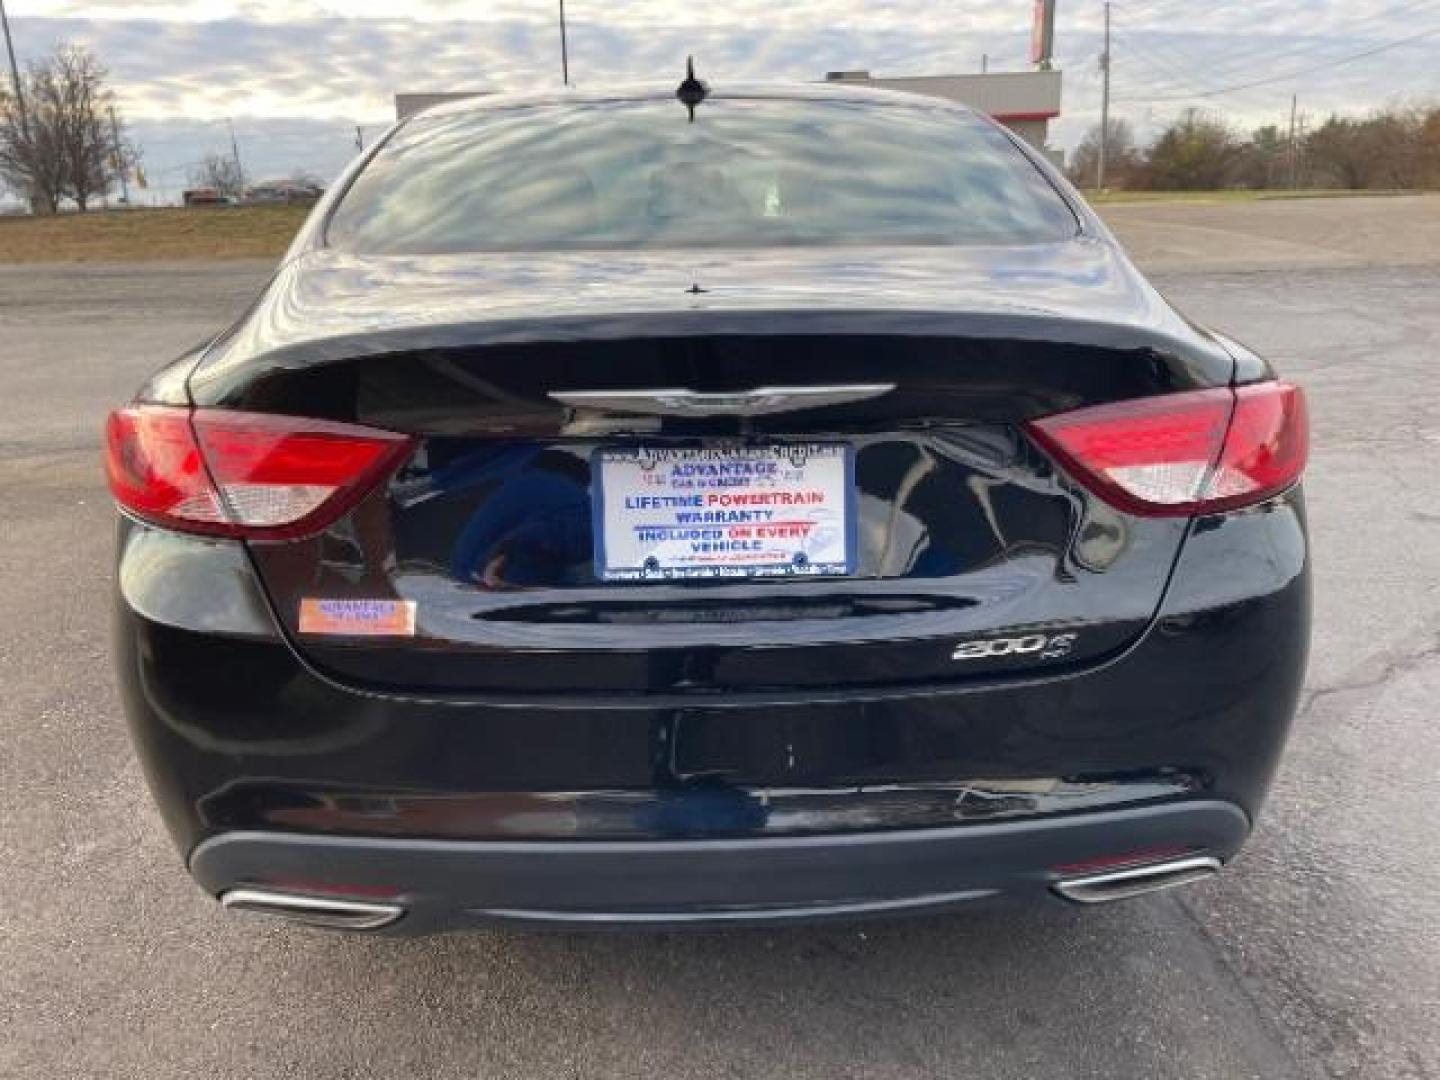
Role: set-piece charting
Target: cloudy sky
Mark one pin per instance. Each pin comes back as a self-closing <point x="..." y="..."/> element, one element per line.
<point x="297" y="77"/>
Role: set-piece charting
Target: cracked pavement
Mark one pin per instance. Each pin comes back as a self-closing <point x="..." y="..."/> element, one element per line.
<point x="1316" y="955"/>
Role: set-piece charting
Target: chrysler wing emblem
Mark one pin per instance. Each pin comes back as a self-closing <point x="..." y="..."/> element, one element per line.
<point x="757" y="402"/>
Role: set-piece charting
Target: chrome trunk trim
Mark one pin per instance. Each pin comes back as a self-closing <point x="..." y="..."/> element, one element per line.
<point x="758" y="402"/>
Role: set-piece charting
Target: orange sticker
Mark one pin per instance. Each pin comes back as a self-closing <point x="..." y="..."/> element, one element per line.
<point x="358" y="618"/>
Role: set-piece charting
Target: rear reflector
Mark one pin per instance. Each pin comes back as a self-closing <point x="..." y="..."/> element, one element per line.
<point x="1123" y="859"/>
<point x="242" y="474"/>
<point x="1180" y="454"/>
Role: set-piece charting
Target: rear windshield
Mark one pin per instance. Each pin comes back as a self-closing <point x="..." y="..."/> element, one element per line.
<point x="750" y="172"/>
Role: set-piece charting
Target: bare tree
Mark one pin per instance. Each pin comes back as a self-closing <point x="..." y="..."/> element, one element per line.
<point x="220" y="172"/>
<point x="1264" y="162"/>
<point x="1397" y="147"/>
<point x="31" y="160"/>
<point x="1122" y="160"/>
<point x="93" y="160"/>
<point x="67" y="145"/>
<point x="1341" y="153"/>
<point x="1428" y="136"/>
<point x="1197" y="152"/>
<point x="306" y="179"/>
<point x="1392" y="148"/>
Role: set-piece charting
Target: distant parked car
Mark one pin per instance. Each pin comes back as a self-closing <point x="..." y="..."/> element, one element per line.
<point x="206" y="196"/>
<point x="284" y="193"/>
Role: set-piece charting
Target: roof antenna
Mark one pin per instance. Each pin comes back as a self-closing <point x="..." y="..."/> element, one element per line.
<point x="692" y="91"/>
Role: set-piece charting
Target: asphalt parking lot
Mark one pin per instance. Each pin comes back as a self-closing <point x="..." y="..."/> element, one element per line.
<point x="1316" y="955"/>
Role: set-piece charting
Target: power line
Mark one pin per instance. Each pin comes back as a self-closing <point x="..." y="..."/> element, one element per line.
<point x="1293" y="163"/>
<point x="1218" y="91"/>
<point x="1162" y="68"/>
<point x="121" y="166"/>
<point x="1181" y="65"/>
<point x="1272" y="80"/>
<point x="235" y="152"/>
<point x="1237" y="60"/>
<point x="564" y="48"/>
<point x="1242" y="58"/>
<point x="15" y="77"/>
<point x="1169" y="9"/>
<point x="1168" y="77"/>
<point x="1104" y="106"/>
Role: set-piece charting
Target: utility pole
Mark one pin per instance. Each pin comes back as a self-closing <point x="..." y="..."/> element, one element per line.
<point x="564" y="48"/>
<point x="20" y="106"/>
<point x="120" y="162"/>
<point x="1294" y="154"/>
<point x="1301" y="123"/>
<point x="15" y="77"/>
<point x="235" y="152"/>
<point x="1042" y="34"/>
<point x="1104" y="105"/>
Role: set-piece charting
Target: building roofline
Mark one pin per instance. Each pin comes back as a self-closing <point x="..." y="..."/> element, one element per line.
<point x="1021" y="117"/>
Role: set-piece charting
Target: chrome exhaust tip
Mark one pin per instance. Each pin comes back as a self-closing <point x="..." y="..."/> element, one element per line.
<point x="1136" y="880"/>
<point x="313" y="910"/>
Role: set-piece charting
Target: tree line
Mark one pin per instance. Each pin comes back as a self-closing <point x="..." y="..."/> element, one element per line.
<point x="1393" y="148"/>
<point x="63" y="137"/>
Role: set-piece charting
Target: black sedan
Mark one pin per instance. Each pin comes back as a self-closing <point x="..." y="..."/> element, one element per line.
<point x="775" y="505"/>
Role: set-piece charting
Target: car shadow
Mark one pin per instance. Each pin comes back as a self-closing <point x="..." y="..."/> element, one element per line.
<point x="1124" y="991"/>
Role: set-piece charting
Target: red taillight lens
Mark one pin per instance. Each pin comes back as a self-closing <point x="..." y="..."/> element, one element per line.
<point x="242" y="474"/>
<point x="1266" y="449"/>
<point x="1182" y="454"/>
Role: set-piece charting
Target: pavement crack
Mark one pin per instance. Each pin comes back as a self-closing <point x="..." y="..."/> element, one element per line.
<point x="1390" y="669"/>
<point x="1247" y="985"/>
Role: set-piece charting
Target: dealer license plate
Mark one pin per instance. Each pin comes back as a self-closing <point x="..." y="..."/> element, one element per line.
<point x="724" y="511"/>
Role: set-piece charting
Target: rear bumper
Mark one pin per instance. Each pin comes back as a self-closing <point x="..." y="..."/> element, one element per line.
<point x="449" y="885"/>
<point x="707" y="809"/>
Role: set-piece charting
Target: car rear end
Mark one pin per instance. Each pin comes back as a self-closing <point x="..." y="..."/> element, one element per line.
<point x="670" y="585"/>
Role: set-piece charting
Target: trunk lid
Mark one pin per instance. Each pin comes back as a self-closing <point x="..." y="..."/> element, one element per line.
<point x="972" y="555"/>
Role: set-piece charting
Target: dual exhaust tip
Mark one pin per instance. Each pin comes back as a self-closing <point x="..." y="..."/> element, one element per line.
<point x="333" y="914"/>
<point x="336" y="914"/>
<point x="1130" y="881"/>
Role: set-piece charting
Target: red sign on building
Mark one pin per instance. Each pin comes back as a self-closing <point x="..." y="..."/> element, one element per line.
<point x="1042" y="32"/>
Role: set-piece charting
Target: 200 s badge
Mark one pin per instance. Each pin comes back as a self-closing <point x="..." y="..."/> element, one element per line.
<point x="1042" y="646"/>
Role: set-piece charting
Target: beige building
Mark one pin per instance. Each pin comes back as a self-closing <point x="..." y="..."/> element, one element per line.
<point x="1024" y="101"/>
<point x="410" y="104"/>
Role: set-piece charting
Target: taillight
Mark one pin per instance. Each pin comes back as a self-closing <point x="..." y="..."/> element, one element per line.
<point x="1179" y="454"/>
<point x="242" y="474"/>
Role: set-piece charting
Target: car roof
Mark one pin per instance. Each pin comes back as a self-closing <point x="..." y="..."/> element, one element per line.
<point x="821" y="92"/>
